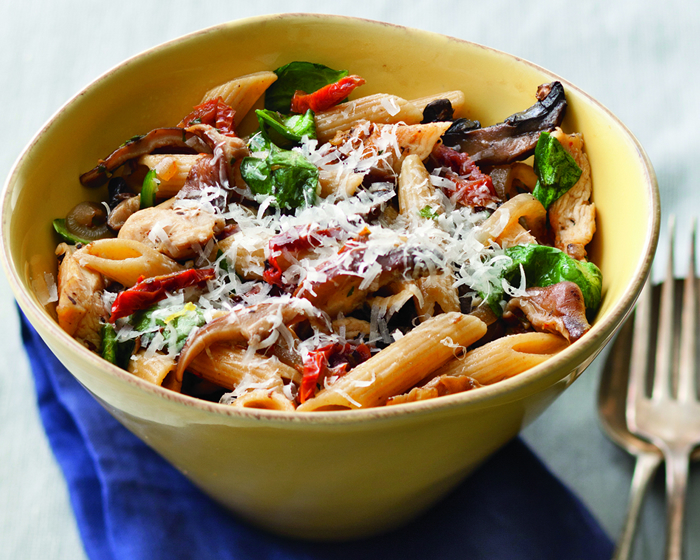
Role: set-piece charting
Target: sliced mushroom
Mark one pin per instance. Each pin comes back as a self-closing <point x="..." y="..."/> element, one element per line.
<point x="253" y="326"/>
<point x="515" y="138"/>
<point x="88" y="220"/>
<point x="123" y="211"/>
<point x="139" y="146"/>
<point x="558" y="308"/>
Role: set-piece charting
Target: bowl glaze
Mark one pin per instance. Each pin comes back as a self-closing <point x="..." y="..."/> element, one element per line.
<point x="327" y="475"/>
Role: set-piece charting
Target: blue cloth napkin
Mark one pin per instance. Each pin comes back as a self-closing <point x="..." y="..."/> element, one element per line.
<point x="130" y="504"/>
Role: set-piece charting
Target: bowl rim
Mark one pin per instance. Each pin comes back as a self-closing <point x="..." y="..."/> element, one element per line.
<point x="504" y="391"/>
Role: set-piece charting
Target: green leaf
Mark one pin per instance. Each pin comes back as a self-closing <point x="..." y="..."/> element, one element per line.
<point x="287" y="176"/>
<point x="304" y="76"/>
<point x="149" y="189"/>
<point x="544" y="266"/>
<point x="178" y="319"/>
<point x="115" y="352"/>
<point x="556" y="170"/>
<point x="285" y="131"/>
<point x="59" y="224"/>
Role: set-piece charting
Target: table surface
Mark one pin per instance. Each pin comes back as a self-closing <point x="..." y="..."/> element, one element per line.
<point x="639" y="58"/>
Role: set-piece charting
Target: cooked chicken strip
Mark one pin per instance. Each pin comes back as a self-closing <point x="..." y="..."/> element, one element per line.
<point x="179" y="233"/>
<point x="572" y="216"/>
<point x="558" y="308"/>
<point x="81" y="310"/>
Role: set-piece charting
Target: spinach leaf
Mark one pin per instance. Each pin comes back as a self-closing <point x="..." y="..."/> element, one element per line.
<point x="114" y="351"/>
<point x="544" y="266"/>
<point x="179" y="323"/>
<point x="287" y="176"/>
<point x="286" y="130"/>
<point x="556" y="170"/>
<point x="304" y="76"/>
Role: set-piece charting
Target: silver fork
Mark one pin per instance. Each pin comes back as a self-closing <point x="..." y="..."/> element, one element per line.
<point x="670" y="417"/>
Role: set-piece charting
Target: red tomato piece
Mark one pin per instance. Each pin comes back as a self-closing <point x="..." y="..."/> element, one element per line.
<point x="326" y="97"/>
<point x="214" y="113"/>
<point x="152" y="290"/>
<point x="335" y="359"/>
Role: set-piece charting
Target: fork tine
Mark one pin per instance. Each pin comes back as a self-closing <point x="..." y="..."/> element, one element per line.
<point x="687" y="389"/>
<point x="664" y="342"/>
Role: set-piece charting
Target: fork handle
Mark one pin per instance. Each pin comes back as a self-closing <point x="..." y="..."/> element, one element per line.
<point x="644" y="469"/>
<point x="677" y="460"/>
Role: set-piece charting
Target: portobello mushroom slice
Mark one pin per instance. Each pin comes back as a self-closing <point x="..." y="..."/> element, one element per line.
<point x="515" y="138"/>
<point x="558" y="308"/>
<point x="140" y="146"/>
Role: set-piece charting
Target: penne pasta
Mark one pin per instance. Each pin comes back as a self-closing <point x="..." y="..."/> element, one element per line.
<point x="171" y="171"/>
<point x="265" y="399"/>
<point x="401" y="365"/>
<point x="242" y="93"/>
<point x="456" y="99"/>
<point x="125" y="260"/>
<point x="229" y="367"/>
<point x="505" y="357"/>
<point x="151" y="367"/>
<point x="378" y="108"/>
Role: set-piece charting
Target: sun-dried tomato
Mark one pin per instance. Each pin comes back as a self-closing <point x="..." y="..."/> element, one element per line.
<point x="326" y="97"/>
<point x="152" y="290"/>
<point x="214" y="113"/>
<point x="472" y="187"/>
<point x="333" y="359"/>
<point x="293" y="242"/>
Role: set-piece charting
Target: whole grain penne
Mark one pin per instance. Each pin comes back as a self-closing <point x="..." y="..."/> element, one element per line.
<point x="228" y="366"/>
<point x="456" y="98"/>
<point x="171" y="171"/>
<point x="505" y="357"/>
<point x="242" y="93"/>
<point x="400" y="365"/>
<point x="151" y="367"/>
<point x="521" y="207"/>
<point x="377" y="108"/>
<point x="416" y="192"/>
<point x="264" y="399"/>
<point x="126" y="260"/>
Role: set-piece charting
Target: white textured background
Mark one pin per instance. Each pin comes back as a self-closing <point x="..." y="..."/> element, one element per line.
<point x="639" y="58"/>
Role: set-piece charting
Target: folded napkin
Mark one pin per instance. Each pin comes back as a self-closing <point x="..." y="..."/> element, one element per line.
<point x="130" y="504"/>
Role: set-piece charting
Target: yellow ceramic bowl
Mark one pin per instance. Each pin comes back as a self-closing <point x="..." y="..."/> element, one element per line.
<point x="325" y="475"/>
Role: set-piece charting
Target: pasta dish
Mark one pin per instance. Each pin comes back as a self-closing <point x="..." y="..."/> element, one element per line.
<point x="347" y="254"/>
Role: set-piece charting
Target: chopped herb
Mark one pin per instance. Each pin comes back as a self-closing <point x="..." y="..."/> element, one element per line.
<point x="352" y="291"/>
<point x="133" y="139"/>
<point x="428" y="212"/>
